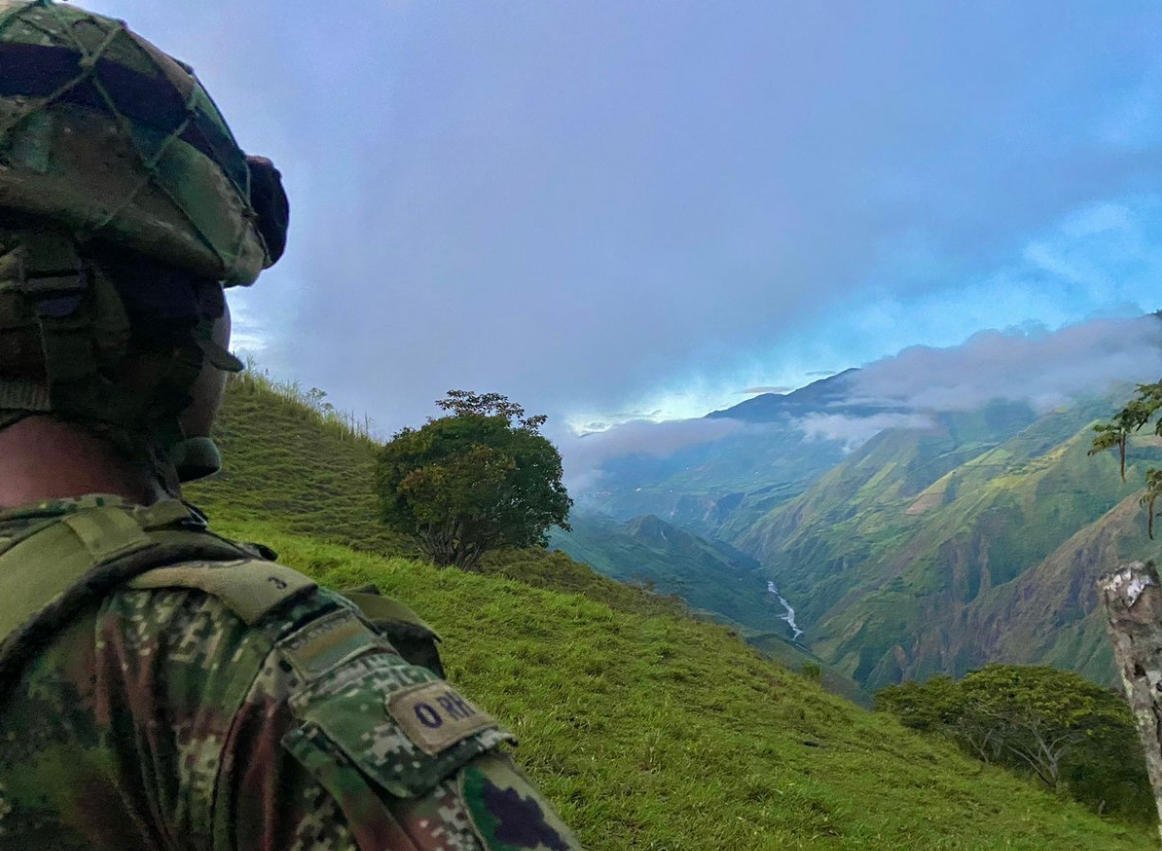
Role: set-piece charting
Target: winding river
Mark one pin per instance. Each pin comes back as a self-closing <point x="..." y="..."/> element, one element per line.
<point x="789" y="617"/>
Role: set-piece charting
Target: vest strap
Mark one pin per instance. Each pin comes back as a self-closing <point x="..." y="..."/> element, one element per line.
<point x="250" y="589"/>
<point x="50" y="572"/>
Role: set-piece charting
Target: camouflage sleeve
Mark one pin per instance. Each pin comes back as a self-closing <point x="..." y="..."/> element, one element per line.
<point x="309" y="796"/>
<point x="321" y="739"/>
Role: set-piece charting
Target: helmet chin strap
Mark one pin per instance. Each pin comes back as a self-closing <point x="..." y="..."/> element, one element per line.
<point x="79" y="315"/>
<point x="195" y="458"/>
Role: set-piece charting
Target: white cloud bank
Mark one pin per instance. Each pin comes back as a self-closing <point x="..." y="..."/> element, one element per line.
<point x="659" y="440"/>
<point x="1044" y="368"/>
<point x="855" y="431"/>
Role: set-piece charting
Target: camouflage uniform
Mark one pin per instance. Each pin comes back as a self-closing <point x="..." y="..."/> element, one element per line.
<point x="159" y="718"/>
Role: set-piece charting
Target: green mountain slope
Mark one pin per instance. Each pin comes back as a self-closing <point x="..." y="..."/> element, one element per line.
<point x="712" y="577"/>
<point x="897" y="557"/>
<point x="1051" y="614"/>
<point x="709" y="576"/>
<point x="700" y="487"/>
<point x="648" y="729"/>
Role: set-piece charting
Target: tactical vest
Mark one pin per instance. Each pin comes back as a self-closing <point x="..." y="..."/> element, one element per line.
<point x="52" y="570"/>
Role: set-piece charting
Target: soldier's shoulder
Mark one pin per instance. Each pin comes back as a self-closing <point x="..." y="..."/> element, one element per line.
<point x="247" y="600"/>
<point x="389" y="740"/>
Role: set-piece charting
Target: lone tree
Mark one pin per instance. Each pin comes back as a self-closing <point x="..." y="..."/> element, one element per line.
<point x="1072" y="735"/>
<point x="480" y="478"/>
<point x="1138" y="413"/>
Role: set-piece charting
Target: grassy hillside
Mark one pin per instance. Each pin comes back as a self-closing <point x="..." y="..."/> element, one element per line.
<point x="648" y="729"/>
<point x="283" y="458"/>
<point x="667" y="733"/>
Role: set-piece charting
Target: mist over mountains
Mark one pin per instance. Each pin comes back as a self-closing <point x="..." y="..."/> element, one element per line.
<point x="926" y="514"/>
<point x="1031" y="365"/>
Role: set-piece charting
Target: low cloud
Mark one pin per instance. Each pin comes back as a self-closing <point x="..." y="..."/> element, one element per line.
<point x="1044" y="368"/>
<point x="584" y="454"/>
<point x="778" y="388"/>
<point x="856" y="431"/>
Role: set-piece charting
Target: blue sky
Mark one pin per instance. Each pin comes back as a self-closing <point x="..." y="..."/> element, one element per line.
<point x="611" y="210"/>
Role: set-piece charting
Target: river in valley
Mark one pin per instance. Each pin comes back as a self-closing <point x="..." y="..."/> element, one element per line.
<point x="789" y="617"/>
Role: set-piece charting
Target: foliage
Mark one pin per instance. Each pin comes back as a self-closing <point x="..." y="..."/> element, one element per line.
<point x="1135" y="416"/>
<point x="812" y="671"/>
<point x="481" y="478"/>
<point x="1070" y="734"/>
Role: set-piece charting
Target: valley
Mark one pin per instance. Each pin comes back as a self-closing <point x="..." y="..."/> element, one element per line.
<point x="974" y="536"/>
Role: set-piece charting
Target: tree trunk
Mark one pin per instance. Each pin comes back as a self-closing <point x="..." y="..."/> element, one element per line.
<point x="1133" y="604"/>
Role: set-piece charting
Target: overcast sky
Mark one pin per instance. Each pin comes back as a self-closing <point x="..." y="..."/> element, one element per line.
<point x="611" y="210"/>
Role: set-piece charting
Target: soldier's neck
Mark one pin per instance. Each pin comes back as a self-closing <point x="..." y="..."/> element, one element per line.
<point x="42" y="458"/>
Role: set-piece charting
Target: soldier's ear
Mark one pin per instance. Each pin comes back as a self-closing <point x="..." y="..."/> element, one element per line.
<point x="268" y="198"/>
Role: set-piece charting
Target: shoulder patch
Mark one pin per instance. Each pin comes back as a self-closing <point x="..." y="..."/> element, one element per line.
<point x="435" y="717"/>
<point x="327" y="643"/>
<point x="506" y="810"/>
<point x="347" y="709"/>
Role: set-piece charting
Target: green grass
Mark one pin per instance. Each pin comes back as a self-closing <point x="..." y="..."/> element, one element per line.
<point x="650" y="730"/>
<point x="305" y="466"/>
<point x="667" y="733"/>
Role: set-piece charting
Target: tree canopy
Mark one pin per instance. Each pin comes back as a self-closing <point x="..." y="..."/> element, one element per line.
<point x="1072" y="735"/>
<point x="480" y="478"/>
<point x="1136" y="415"/>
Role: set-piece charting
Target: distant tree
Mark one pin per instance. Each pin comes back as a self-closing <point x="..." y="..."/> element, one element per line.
<point x="480" y="478"/>
<point x="1137" y="414"/>
<point x="1039" y="715"/>
<point x="1072" y="735"/>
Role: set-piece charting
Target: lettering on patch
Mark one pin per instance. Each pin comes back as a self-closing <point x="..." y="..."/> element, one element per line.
<point x="435" y="717"/>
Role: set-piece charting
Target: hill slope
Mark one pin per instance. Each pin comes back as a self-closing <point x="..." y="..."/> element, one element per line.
<point x="649" y="730"/>
<point x="667" y="733"/>
<point x="708" y="575"/>
<point x="910" y="558"/>
<point x="284" y="459"/>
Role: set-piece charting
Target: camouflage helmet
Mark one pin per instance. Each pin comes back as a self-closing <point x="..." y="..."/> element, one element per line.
<point x="124" y="202"/>
<point x="103" y="133"/>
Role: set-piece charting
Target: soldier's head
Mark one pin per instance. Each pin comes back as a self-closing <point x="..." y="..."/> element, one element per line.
<point x="126" y="207"/>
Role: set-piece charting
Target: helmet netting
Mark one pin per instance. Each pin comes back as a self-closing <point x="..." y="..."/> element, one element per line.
<point x="84" y="95"/>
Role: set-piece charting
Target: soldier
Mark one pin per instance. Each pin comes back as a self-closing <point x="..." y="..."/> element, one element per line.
<point x="162" y="687"/>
